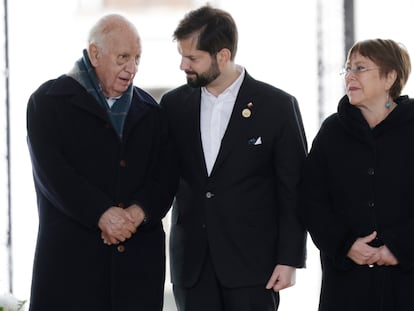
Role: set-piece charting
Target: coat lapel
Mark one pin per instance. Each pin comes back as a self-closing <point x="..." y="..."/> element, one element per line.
<point x="66" y="85"/>
<point x="88" y="103"/>
<point x="139" y="108"/>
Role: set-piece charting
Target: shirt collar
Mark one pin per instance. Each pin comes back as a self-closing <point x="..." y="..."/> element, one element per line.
<point x="234" y="88"/>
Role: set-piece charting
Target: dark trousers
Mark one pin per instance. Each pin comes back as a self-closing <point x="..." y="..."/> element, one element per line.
<point x="209" y="295"/>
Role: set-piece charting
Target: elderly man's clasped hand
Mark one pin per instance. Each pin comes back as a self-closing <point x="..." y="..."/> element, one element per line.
<point x="118" y="224"/>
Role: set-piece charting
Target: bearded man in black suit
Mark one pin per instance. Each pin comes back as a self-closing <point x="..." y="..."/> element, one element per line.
<point x="235" y="237"/>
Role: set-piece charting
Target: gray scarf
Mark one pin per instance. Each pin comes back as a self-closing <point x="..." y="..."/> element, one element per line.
<point x="84" y="73"/>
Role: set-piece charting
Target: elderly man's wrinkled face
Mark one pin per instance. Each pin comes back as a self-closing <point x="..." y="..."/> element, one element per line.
<point x="116" y="63"/>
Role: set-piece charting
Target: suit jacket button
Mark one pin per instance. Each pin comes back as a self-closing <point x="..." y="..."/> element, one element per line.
<point x="121" y="248"/>
<point x="122" y="163"/>
<point x="209" y="195"/>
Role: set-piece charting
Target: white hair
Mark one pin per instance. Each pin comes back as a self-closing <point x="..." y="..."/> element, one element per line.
<point x="105" y="25"/>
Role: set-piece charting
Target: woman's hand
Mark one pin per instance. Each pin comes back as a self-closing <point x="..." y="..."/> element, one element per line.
<point x="386" y="257"/>
<point x="362" y="253"/>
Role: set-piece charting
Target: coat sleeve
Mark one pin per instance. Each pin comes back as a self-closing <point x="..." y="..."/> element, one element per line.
<point x="55" y="179"/>
<point x="156" y="198"/>
<point x="328" y="232"/>
<point x="290" y="152"/>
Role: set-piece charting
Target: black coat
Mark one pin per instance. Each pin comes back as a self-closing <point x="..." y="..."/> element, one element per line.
<point x="81" y="168"/>
<point x="358" y="180"/>
<point x="245" y="212"/>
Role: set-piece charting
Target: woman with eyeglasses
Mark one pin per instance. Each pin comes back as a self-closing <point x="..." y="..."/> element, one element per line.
<point x="358" y="186"/>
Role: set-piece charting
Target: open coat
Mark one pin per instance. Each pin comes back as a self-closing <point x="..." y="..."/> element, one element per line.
<point x="81" y="168"/>
<point x="245" y="212"/>
<point x="358" y="180"/>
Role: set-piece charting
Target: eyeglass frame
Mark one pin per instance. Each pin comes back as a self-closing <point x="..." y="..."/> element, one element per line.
<point x="356" y="70"/>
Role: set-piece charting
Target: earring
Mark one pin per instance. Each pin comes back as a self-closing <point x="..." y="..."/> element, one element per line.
<point x="387" y="103"/>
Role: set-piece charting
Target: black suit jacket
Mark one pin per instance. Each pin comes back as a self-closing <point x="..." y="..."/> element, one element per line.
<point x="244" y="213"/>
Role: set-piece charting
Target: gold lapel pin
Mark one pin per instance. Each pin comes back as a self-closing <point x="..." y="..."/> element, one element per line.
<point x="246" y="112"/>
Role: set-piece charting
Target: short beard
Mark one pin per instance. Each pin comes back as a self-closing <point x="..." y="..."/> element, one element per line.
<point x="205" y="78"/>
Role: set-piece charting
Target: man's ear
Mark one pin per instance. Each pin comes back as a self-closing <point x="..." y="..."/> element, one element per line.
<point x="223" y="56"/>
<point x="93" y="53"/>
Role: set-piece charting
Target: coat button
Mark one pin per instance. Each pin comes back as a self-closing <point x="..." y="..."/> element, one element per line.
<point x="371" y="204"/>
<point x="371" y="171"/>
<point x="209" y="195"/>
<point x="122" y="163"/>
<point x="121" y="248"/>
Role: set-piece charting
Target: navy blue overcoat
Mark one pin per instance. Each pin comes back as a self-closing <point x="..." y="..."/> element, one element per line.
<point x="81" y="168"/>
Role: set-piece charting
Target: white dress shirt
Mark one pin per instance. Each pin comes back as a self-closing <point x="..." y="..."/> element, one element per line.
<point x="215" y="113"/>
<point x="111" y="100"/>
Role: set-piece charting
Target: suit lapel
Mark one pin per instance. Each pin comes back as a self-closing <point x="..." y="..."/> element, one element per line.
<point x="194" y="132"/>
<point x="238" y="121"/>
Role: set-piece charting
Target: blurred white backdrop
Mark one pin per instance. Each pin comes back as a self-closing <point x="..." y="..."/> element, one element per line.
<point x="277" y="44"/>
